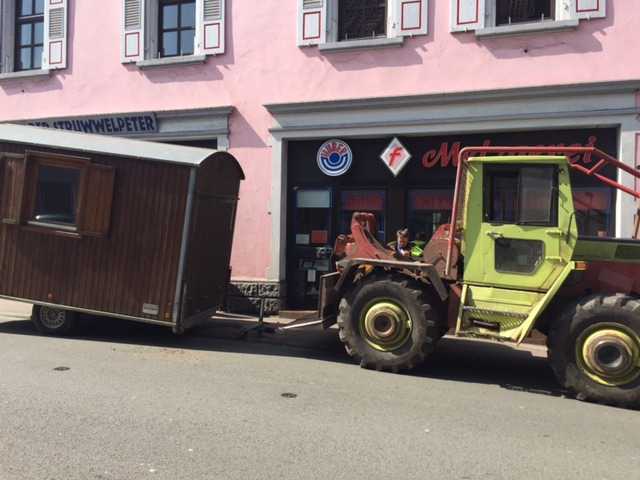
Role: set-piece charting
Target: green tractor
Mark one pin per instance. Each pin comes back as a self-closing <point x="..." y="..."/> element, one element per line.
<point x="510" y="261"/>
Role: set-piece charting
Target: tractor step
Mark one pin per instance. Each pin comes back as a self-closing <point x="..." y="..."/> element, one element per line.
<point x="487" y="312"/>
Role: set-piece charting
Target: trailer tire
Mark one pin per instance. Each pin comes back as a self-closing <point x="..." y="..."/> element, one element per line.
<point x="594" y="349"/>
<point x="53" y="321"/>
<point x="396" y="300"/>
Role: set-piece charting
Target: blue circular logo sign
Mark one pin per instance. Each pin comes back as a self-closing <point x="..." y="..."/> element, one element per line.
<point x="334" y="158"/>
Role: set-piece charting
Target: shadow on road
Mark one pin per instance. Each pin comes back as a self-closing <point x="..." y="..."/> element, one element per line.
<point x="455" y="359"/>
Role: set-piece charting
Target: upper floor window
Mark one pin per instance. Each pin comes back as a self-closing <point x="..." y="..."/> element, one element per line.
<point x="518" y="11"/>
<point x="504" y="17"/>
<point x="157" y="32"/>
<point x="177" y="27"/>
<point x="33" y="37"/>
<point x="384" y="22"/>
<point x="30" y="34"/>
<point x="362" y="19"/>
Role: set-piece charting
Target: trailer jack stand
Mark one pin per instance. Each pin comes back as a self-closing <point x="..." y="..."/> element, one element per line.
<point x="260" y="328"/>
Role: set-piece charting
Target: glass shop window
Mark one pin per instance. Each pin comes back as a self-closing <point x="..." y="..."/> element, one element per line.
<point x="312" y="217"/>
<point x="593" y="208"/>
<point x="358" y="19"/>
<point x="57" y="195"/>
<point x="371" y="201"/>
<point x="521" y="11"/>
<point x="177" y="27"/>
<point x="428" y="209"/>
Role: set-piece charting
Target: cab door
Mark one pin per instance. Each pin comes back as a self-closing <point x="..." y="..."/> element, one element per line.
<point x="521" y="240"/>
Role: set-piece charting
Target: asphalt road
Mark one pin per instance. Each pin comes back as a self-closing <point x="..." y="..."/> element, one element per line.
<point x="137" y="402"/>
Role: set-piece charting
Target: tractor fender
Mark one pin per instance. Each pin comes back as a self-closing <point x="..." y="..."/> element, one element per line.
<point x="416" y="270"/>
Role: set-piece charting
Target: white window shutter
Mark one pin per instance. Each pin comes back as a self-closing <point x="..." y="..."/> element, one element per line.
<point x="210" y="34"/>
<point x="132" y="41"/>
<point x="591" y="8"/>
<point x="467" y="15"/>
<point x="312" y="22"/>
<point x="54" y="55"/>
<point x="410" y="17"/>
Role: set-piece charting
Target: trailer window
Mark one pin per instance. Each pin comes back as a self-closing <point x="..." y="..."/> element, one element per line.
<point x="56" y="195"/>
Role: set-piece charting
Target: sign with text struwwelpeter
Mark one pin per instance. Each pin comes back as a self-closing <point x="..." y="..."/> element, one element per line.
<point x="130" y="124"/>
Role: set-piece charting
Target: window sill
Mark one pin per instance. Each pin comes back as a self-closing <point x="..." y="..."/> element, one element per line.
<point x="26" y="74"/>
<point x="527" y="28"/>
<point x="366" y="44"/>
<point x="168" y="61"/>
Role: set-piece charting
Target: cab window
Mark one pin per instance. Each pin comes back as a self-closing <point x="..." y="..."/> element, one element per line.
<point x="521" y="195"/>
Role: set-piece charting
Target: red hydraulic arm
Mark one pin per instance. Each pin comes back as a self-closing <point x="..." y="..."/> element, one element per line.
<point x="602" y="157"/>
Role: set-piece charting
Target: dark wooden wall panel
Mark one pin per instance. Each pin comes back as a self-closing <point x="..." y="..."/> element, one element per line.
<point x="211" y="235"/>
<point x="136" y="263"/>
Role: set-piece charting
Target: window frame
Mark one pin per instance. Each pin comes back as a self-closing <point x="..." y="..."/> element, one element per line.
<point x="551" y="17"/>
<point x="179" y="29"/>
<point x="32" y="20"/>
<point x="339" y="18"/>
<point x="35" y="159"/>
<point x="488" y="190"/>
<point x="333" y="24"/>
<point x="491" y="17"/>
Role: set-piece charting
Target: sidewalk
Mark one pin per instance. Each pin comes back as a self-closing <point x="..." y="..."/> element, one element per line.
<point x="230" y="326"/>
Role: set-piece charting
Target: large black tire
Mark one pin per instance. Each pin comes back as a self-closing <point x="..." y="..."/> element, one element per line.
<point x="53" y="321"/>
<point x="579" y="345"/>
<point x="413" y="298"/>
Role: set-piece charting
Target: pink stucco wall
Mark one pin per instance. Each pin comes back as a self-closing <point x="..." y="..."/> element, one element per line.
<point x="263" y="65"/>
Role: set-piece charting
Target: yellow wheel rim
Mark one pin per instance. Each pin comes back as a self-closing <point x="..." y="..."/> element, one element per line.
<point x="609" y="354"/>
<point x="385" y="325"/>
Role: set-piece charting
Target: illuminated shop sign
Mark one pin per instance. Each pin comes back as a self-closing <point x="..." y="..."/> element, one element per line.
<point x="447" y="154"/>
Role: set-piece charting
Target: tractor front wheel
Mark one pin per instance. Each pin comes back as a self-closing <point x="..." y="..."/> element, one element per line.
<point x="594" y="349"/>
<point x="388" y="323"/>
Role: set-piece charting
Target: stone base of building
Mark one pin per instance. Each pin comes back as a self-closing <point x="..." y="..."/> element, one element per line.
<point x="245" y="297"/>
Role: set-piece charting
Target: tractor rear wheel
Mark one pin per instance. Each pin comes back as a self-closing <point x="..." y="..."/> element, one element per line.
<point x="388" y="323"/>
<point x="594" y="349"/>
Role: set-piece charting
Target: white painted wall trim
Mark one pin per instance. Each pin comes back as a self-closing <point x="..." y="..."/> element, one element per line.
<point x="175" y="125"/>
<point x="599" y="105"/>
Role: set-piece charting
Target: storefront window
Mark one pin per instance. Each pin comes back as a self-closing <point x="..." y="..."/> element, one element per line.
<point x="371" y="201"/>
<point x="428" y="209"/>
<point x="312" y="245"/>
<point x="593" y="211"/>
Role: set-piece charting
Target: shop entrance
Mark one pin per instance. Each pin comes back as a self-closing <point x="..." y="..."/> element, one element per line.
<point x="419" y="198"/>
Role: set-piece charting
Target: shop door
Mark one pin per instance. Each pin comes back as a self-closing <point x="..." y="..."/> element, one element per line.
<point x="312" y="246"/>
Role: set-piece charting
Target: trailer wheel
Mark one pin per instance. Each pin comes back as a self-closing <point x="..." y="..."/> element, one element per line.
<point x="53" y="321"/>
<point x="594" y="349"/>
<point x="388" y="323"/>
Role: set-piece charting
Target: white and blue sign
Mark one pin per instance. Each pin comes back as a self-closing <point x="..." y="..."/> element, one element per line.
<point x="334" y="158"/>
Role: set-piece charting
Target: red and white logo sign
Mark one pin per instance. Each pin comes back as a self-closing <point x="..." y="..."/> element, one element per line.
<point x="395" y="156"/>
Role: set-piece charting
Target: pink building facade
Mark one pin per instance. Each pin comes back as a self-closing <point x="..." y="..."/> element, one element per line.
<point x="273" y="81"/>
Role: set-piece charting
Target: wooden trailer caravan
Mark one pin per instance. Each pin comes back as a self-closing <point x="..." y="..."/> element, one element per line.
<point x="113" y="227"/>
